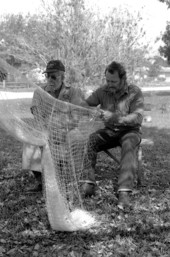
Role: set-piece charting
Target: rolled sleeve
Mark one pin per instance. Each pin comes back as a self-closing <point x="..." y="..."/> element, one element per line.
<point x="93" y="99"/>
<point x="136" y="110"/>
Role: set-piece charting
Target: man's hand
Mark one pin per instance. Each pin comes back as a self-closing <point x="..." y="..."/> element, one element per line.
<point x="108" y="116"/>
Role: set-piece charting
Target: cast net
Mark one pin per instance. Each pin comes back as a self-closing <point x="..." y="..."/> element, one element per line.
<point x="59" y="132"/>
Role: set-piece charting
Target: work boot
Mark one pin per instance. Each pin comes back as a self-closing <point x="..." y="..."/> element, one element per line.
<point x="89" y="186"/>
<point x="37" y="175"/>
<point x="38" y="186"/>
<point x="123" y="200"/>
<point x="88" y="189"/>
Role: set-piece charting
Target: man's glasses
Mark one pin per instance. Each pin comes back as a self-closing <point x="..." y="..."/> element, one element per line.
<point x="53" y="77"/>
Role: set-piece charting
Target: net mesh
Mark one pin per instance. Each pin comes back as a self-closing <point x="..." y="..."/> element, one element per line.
<point x="60" y="131"/>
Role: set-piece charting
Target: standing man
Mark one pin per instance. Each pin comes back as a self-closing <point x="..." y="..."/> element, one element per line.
<point x="122" y="108"/>
<point x="55" y="86"/>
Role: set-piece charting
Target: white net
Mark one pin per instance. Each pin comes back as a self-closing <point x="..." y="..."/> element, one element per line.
<point x="60" y="131"/>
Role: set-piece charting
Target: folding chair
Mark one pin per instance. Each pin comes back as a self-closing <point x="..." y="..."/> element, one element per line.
<point x="139" y="173"/>
<point x="139" y="155"/>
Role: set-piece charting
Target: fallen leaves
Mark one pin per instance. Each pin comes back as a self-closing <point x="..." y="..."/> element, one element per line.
<point x="144" y="231"/>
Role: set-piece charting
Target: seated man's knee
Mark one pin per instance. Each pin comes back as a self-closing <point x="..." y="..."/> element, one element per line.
<point x="131" y="140"/>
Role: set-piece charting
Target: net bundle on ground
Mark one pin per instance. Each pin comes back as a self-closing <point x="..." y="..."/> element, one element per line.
<point x="61" y="130"/>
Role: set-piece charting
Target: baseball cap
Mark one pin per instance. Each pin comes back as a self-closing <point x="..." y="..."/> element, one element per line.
<point x="54" y="65"/>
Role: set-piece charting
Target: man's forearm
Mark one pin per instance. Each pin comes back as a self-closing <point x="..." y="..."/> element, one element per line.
<point x="132" y="119"/>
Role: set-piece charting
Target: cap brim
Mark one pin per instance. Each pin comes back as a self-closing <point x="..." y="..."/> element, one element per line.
<point x="49" y="71"/>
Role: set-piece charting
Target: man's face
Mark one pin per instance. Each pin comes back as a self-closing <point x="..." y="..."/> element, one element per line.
<point x="54" y="80"/>
<point x="113" y="81"/>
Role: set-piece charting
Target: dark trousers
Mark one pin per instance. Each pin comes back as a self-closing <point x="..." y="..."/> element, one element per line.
<point x="38" y="176"/>
<point x="128" y="141"/>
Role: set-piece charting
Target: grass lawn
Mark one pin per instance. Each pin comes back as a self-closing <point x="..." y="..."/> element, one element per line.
<point x="141" y="231"/>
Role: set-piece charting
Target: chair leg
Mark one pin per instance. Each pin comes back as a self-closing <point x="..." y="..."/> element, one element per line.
<point x="112" y="156"/>
<point x="139" y="173"/>
<point x="140" y="177"/>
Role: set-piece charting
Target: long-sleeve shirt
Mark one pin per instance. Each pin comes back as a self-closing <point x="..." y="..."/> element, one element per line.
<point x="66" y="94"/>
<point x="128" y="105"/>
<point x="47" y="110"/>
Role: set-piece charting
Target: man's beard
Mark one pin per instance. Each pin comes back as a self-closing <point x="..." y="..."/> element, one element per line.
<point x="53" y="87"/>
<point x="112" y="90"/>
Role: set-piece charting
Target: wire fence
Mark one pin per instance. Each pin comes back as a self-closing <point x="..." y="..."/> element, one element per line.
<point x="18" y="85"/>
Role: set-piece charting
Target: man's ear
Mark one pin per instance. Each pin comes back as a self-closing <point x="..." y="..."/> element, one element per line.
<point x="123" y="81"/>
<point x="123" y="78"/>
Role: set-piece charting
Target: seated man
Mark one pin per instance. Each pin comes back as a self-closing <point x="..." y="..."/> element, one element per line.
<point x="122" y="108"/>
<point x="31" y="158"/>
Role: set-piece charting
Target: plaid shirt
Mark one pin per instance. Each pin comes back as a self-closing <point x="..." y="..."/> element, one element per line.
<point x="128" y="104"/>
